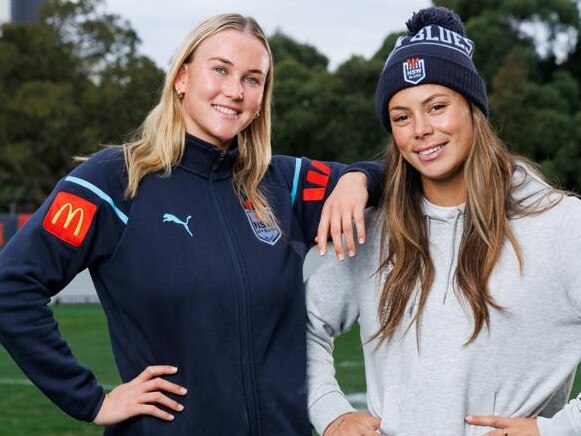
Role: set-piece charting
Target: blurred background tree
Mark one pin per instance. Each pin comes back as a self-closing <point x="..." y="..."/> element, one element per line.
<point x="529" y="54"/>
<point x="77" y="80"/>
<point x="68" y="84"/>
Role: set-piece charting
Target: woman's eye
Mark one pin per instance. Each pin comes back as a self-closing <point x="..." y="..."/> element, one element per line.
<point x="252" y="81"/>
<point x="220" y="70"/>
<point x="400" y="118"/>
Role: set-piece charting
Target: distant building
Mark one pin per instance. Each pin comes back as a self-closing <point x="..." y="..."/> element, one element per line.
<point x="24" y="11"/>
<point x="4" y="11"/>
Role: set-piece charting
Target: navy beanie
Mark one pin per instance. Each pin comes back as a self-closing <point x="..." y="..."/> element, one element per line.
<point x="435" y="50"/>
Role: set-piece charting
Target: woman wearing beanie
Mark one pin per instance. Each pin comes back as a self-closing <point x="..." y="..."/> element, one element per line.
<point x="467" y="294"/>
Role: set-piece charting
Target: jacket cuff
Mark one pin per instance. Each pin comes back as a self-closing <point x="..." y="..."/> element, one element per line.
<point x="327" y="409"/>
<point x="97" y="408"/>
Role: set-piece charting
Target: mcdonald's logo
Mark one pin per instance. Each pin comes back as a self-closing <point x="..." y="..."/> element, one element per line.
<point x="69" y="218"/>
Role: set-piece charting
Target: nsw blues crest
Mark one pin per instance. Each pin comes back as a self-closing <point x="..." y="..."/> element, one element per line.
<point x="265" y="232"/>
<point x="414" y="70"/>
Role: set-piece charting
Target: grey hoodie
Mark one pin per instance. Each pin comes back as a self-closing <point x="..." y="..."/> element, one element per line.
<point x="426" y="384"/>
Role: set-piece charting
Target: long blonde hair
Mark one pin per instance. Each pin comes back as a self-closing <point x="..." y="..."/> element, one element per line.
<point x="160" y="139"/>
<point x="488" y="174"/>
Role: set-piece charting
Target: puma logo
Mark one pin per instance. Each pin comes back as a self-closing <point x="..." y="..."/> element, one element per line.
<point x="168" y="217"/>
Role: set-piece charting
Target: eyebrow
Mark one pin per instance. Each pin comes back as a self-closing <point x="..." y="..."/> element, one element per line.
<point x="424" y="102"/>
<point x="227" y="62"/>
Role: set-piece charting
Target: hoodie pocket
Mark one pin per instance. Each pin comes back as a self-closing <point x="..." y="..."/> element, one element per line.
<point x="391" y="410"/>
<point x="435" y="407"/>
<point x="479" y="400"/>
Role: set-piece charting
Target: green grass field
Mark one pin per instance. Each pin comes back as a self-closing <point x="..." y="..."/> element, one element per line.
<point x="25" y="411"/>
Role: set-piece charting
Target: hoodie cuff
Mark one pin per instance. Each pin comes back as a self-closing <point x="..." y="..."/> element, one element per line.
<point x="545" y="426"/>
<point x="327" y="409"/>
<point x="567" y="422"/>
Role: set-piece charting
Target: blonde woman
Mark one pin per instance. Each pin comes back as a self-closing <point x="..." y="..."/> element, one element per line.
<point x="468" y="293"/>
<point x="195" y="239"/>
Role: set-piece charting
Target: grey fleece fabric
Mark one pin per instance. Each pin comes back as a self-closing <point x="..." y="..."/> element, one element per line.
<point x="425" y="382"/>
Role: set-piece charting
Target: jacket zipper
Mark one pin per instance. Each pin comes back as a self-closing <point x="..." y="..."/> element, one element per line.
<point x="243" y="298"/>
<point x="218" y="161"/>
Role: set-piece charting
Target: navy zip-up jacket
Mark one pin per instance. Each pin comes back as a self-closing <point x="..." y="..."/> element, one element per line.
<point x="187" y="276"/>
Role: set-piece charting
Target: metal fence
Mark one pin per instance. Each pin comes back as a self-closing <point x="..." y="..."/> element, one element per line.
<point x="80" y="290"/>
<point x="9" y="224"/>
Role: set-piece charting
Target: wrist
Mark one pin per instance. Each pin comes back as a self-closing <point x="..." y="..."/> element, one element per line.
<point x="336" y="424"/>
<point x="357" y="177"/>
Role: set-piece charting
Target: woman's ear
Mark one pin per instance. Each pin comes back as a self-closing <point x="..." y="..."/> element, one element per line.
<point x="180" y="82"/>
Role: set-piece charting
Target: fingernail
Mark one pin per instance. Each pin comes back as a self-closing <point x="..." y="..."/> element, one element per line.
<point x="180" y="407"/>
<point x="340" y="257"/>
<point x="351" y="253"/>
<point x="468" y="418"/>
<point x="362" y="240"/>
<point x="170" y="418"/>
<point x="183" y="391"/>
<point x="322" y="252"/>
<point x="174" y="369"/>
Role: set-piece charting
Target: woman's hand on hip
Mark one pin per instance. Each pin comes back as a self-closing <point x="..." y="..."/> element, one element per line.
<point x="506" y="426"/>
<point x="344" y="206"/>
<point x="141" y="396"/>
<point x="354" y="424"/>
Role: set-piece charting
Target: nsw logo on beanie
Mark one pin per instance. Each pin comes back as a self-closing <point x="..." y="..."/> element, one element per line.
<point x="414" y="70"/>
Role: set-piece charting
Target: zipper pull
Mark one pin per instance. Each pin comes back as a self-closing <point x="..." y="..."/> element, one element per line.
<point x="219" y="160"/>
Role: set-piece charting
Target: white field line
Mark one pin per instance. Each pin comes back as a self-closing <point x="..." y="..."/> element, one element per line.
<point x="358" y="400"/>
<point x="26" y="382"/>
<point x="349" y="364"/>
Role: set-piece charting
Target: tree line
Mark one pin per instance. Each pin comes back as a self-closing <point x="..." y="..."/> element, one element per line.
<point x="77" y="80"/>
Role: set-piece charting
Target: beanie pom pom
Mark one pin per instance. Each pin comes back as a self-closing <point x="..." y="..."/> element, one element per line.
<point x="438" y="16"/>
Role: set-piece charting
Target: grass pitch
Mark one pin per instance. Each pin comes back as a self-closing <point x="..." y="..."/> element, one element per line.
<point x="25" y="411"/>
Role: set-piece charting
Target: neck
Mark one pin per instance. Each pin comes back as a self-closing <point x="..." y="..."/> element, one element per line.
<point x="445" y="192"/>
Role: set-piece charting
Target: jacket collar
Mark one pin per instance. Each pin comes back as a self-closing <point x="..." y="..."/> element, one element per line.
<point x="205" y="159"/>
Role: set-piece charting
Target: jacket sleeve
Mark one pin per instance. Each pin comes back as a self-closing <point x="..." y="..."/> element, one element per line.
<point x="77" y="226"/>
<point x="332" y="309"/>
<point x="313" y="181"/>
<point x="568" y="421"/>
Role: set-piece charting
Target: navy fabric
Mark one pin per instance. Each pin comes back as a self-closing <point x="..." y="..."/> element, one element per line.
<point x="204" y="293"/>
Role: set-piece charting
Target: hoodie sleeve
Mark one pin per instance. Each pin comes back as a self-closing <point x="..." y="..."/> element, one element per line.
<point x="312" y="182"/>
<point x="78" y="226"/>
<point x="331" y="310"/>
<point x="568" y="421"/>
<point x="335" y="292"/>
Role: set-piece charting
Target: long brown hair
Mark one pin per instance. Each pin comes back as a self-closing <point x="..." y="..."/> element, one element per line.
<point x="160" y="139"/>
<point x="488" y="175"/>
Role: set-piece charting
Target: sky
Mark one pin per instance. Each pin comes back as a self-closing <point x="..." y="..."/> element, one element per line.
<point x="4" y="10"/>
<point x="337" y="28"/>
